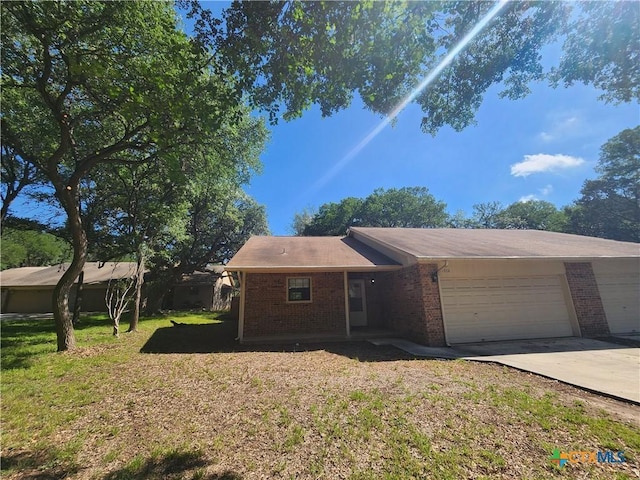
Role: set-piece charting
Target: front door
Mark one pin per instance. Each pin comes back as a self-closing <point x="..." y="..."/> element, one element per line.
<point x="357" y="303"/>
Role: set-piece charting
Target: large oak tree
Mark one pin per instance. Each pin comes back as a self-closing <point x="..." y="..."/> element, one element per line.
<point x="85" y="83"/>
<point x="609" y="206"/>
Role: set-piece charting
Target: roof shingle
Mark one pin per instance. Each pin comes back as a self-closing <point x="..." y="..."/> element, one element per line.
<point x="49" y="276"/>
<point x="309" y="253"/>
<point x="488" y="243"/>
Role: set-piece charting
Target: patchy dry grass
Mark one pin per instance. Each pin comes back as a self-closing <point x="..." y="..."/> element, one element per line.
<point x="186" y="402"/>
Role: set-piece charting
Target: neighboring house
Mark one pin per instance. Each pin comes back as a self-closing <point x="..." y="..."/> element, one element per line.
<point x="438" y="286"/>
<point x="208" y="290"/>
<point x="30" y="289"/>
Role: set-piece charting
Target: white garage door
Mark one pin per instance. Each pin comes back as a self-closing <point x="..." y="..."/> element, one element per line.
<point x="504" y="308"/>
<point x="619" y="287"/>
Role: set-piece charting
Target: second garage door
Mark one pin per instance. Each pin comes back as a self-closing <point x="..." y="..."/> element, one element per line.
<point x="504" y="308"/>
<point x="619" y="286"/>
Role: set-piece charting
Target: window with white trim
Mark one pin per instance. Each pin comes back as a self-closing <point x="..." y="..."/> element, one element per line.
<point x="299" y="289"/>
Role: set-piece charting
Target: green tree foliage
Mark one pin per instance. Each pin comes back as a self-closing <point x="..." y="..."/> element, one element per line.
<point x="405" y="207"/>
<point x="16" y="175"/>
<point x="532" y="215"/>
<point x="220" y="219"/>
<point x="610" y="205"/>
<point x="301" y="220"/>
<point x="85" y="83"/>
<point x="602" y="48"/>
<point x="335" y="218"/>
<point x="151" y="211"/>
<point x="292" y="54"/>
<point x="411" y="207"/>
<point x="486" y="215"/>
<point x="32" y="248"/>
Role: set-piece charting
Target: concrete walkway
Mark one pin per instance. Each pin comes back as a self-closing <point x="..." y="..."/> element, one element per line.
<point x="417" y="349"/>
<point x="601" y="367"/>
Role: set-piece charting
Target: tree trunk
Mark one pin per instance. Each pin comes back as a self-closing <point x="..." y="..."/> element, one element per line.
<point x="116" y="326"/>
<point x="133" y="325"/>
<point x="157" y="290"/>
<point x="61" y="314"/>
<point x="77" y="305"/>
<point x="155" y="296"/>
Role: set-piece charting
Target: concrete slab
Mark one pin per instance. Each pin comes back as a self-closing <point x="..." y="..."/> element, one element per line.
<point x="417" y="349"/>
<point x="602" y="367"/>
<point x="597" y="366"/>
<point x="631" y="336"/>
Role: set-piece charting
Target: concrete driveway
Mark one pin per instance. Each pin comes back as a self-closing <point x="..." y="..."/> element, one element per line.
<point x="595" y="365"/>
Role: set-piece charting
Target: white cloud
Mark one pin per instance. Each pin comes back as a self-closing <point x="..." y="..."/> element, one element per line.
<point x="546" y="136"/>
<point x="561" y="127"/>
<point x="546" y="190"/>
<point x="543" y="162"/>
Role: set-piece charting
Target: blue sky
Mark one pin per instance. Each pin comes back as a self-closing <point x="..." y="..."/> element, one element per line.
<point x="543" y="146"/>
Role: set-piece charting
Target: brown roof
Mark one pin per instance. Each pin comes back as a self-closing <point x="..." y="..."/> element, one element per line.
<point x="49" y="276"/>
<point x="205" y="278"/>
<point x="326" y="253"/>
<point x="487" y="243"/>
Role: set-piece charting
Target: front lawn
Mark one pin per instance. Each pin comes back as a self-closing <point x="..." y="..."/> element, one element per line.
<point x="187" y="402"/>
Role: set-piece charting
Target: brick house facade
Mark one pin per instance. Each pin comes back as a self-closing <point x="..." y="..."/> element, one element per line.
<point x="404" y="287"/>
<point x="412" y="304"/>
<point x="268" y="314"/>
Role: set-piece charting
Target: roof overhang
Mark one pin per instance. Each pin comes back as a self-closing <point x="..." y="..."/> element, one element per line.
<point x="314" y="268"/>
<point x="523" y="258"/>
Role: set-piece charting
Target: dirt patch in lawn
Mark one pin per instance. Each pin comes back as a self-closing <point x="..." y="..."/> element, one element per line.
<point x="340" y="410"/>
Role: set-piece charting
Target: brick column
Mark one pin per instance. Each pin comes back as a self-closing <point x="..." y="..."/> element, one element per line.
<point x="434" y="321"/>
<point x="586" y="299"/>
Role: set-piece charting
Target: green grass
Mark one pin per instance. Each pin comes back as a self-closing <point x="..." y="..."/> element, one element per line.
<point x="44" y="391"/>
<point x="187" y="402"/>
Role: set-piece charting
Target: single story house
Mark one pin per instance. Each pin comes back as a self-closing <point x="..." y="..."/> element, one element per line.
<point x="437" y="286"/>
<point x="30" y="289"/>
<point x="210" y="289"/>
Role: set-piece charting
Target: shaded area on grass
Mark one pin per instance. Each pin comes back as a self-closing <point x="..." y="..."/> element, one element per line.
<point x="193" y="338"/>
<point x="25" y="339"/>
<point x="220" y="338"/>
<point x="41" y="464"/>
<point x="171" y="465"/>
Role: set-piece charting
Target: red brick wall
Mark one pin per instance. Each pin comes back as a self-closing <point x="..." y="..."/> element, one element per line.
<point x="432" y="305"/>
<point x="267" y="312"/>
<point x="586" y="299"/>
<point x="412" y="304"/>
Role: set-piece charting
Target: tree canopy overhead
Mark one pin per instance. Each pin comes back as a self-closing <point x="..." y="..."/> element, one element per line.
<point x="602" y="47"/>
<point x="289" y="55"/>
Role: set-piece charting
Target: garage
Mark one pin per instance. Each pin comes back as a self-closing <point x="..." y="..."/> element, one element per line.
<point x="517" y="304"/>
<point x="28" y="300"/>
<point x="619" y="285"/>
